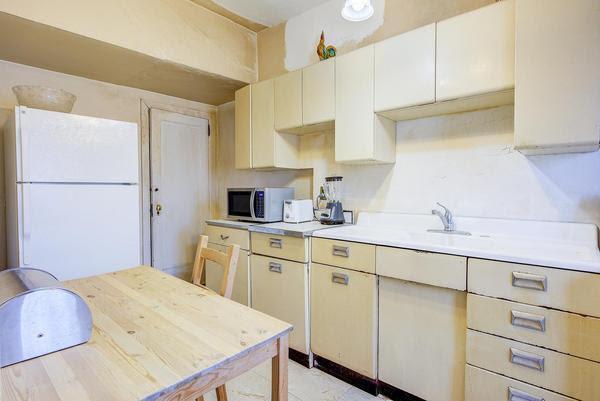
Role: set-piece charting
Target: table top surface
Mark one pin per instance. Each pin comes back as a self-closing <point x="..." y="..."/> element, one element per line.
<point x="152" y="333"/>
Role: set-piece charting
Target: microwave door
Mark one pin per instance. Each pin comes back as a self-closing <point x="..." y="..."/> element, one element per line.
<point x="252" y="213"/>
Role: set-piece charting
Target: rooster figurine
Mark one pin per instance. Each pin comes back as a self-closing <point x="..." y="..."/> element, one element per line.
<point x="325" y="52"/>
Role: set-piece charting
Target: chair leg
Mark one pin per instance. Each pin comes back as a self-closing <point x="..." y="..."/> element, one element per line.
<point x="222" y="393"/>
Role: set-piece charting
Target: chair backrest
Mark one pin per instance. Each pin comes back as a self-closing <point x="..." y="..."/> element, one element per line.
<point x="228" y="261"/>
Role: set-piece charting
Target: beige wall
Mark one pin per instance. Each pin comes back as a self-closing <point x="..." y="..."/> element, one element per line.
<point x="301" y="33"/>
<point x="177" y="31"/>
<point x="466" y="161"/>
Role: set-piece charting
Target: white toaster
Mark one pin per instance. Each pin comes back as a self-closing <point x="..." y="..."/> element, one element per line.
<point x="297" y="211"/>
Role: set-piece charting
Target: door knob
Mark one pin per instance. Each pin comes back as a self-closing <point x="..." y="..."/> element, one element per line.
<point x="158" y="209"/>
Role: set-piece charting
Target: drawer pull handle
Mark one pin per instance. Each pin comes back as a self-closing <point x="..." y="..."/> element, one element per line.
<point x="528" y="320"/>
<point x="340" y="278"/>
<point x="530" y="281"/>
<point x="342" y="251"/>
<point x="224" y="237"/>
<point x="275" y="267"/>
<point x="527" y="359"/>
<point x="518" y="395"/>
<point x="275" y="243"/>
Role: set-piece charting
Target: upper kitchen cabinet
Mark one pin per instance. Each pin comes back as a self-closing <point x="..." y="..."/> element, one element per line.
<point x="557" y="96"/>
<point x="268" y="148"/>
<point x="305" y="99"/>
<point x="318" y="93"/>
<point x="361" y="136"/>
<point x="288" y="100"/>
<point x="243" y="128"/>
<point x="405" y="70"/>
<point x="476" y="52"/>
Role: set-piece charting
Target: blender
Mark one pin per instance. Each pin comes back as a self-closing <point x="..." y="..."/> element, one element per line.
<point x="334" y="212"/>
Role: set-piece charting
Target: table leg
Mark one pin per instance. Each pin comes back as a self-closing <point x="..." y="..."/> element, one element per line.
<point x="279" y="371"/>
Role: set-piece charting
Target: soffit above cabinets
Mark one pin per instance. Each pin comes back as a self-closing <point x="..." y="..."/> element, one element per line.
<point x="26" y="42"/>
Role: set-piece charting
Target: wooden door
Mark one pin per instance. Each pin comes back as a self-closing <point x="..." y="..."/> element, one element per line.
<point x="180" y="196"/>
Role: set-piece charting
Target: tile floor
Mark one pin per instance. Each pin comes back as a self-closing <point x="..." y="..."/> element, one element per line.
<point x="304" y="385"/>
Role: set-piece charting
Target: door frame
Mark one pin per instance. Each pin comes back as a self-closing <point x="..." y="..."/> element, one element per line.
<point x="204" y="111"/>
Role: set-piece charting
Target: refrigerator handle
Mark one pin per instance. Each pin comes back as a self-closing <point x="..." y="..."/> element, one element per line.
<point x="25" y="215"/>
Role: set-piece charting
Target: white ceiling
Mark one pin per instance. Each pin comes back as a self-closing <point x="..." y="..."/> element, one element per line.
<point x="270" y="12"/>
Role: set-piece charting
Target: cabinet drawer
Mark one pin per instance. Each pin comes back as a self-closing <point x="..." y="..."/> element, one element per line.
<point x="561" y="289"/>
<point x="422" y="267"/>
<point x="241" y="283"/>
<point x="568" y="375"/>
<point x="344" y="317"/>
<point x="228" y="236"/>
<point x="561" y="331"/>
<point x="350" y="255"/>
<point x="280" y="289"/>
<point x="280" y="246"/>
<point x="483" y="385"/>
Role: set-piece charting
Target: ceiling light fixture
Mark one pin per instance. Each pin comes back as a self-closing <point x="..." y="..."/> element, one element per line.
<point x="357" y="10"/>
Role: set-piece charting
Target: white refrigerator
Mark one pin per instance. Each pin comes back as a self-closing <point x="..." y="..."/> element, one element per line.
<point x="72" y="193"/>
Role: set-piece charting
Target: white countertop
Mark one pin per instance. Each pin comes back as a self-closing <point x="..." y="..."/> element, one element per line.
<point x="240" y="225"/>
<point x="306" y="229"/>
<point x="572" y="246"/>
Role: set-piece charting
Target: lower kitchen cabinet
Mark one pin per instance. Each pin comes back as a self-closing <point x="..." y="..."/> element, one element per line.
<point x="344" y="317"/>
<point x="241" y="284"/>
<point x="422" y="339"/>
<point x="484" y="385"/>
<point x="280" y="289"/>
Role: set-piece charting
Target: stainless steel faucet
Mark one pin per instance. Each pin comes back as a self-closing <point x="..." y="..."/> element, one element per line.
<point x="446" y="217"/>
<point x="447" y="220"/>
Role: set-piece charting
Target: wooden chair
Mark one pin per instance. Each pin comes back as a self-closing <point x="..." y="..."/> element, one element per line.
<point x="228" y="261"/>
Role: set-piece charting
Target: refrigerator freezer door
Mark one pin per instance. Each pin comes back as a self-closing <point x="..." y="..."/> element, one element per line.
<point x="75" y="231"/>
<point x="59" y="147"/>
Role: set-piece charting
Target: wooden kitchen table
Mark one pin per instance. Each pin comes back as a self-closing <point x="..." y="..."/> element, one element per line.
<point x="155" y="337"/>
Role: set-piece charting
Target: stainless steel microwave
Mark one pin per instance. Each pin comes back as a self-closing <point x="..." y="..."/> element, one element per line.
<point x="257" y="204"/>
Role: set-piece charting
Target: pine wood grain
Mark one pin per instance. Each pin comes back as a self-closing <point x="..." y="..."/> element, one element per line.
<point x="155" y="337"/>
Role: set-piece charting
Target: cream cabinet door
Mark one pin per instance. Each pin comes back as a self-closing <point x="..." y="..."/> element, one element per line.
<point x="263" y="124"/>
<point x="280" y="289"/>
<point x="405" y="70"/>
<point x="476" y="52"/>
<point x="422" y="339"/>
<point x="243" y="128"/>
<point x="557" y="94"/>
<point x="288" y="100"/>
<point x="318" y="92"/>
<point x="360" y="135"/>
<point x="344" y="317"/>
<point x="241" y="284"/>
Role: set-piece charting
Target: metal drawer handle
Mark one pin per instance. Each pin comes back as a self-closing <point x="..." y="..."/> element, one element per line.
<point x="340" y="278"/>
<point x="275" y="243"/>
<point x="518" y="395"/>
<point x="530" y="281"/>
<point x="224" y="237"/>
<point x="528" y="320"/>
<point x="342" y="251"/>
<point x="275" y="267"/>
<point x="527" y="359"/>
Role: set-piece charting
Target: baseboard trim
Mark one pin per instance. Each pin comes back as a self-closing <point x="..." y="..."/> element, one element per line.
<point x="347" y="375"/>
<point x="395" y="393"/>
<point x="300" y="358"/>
